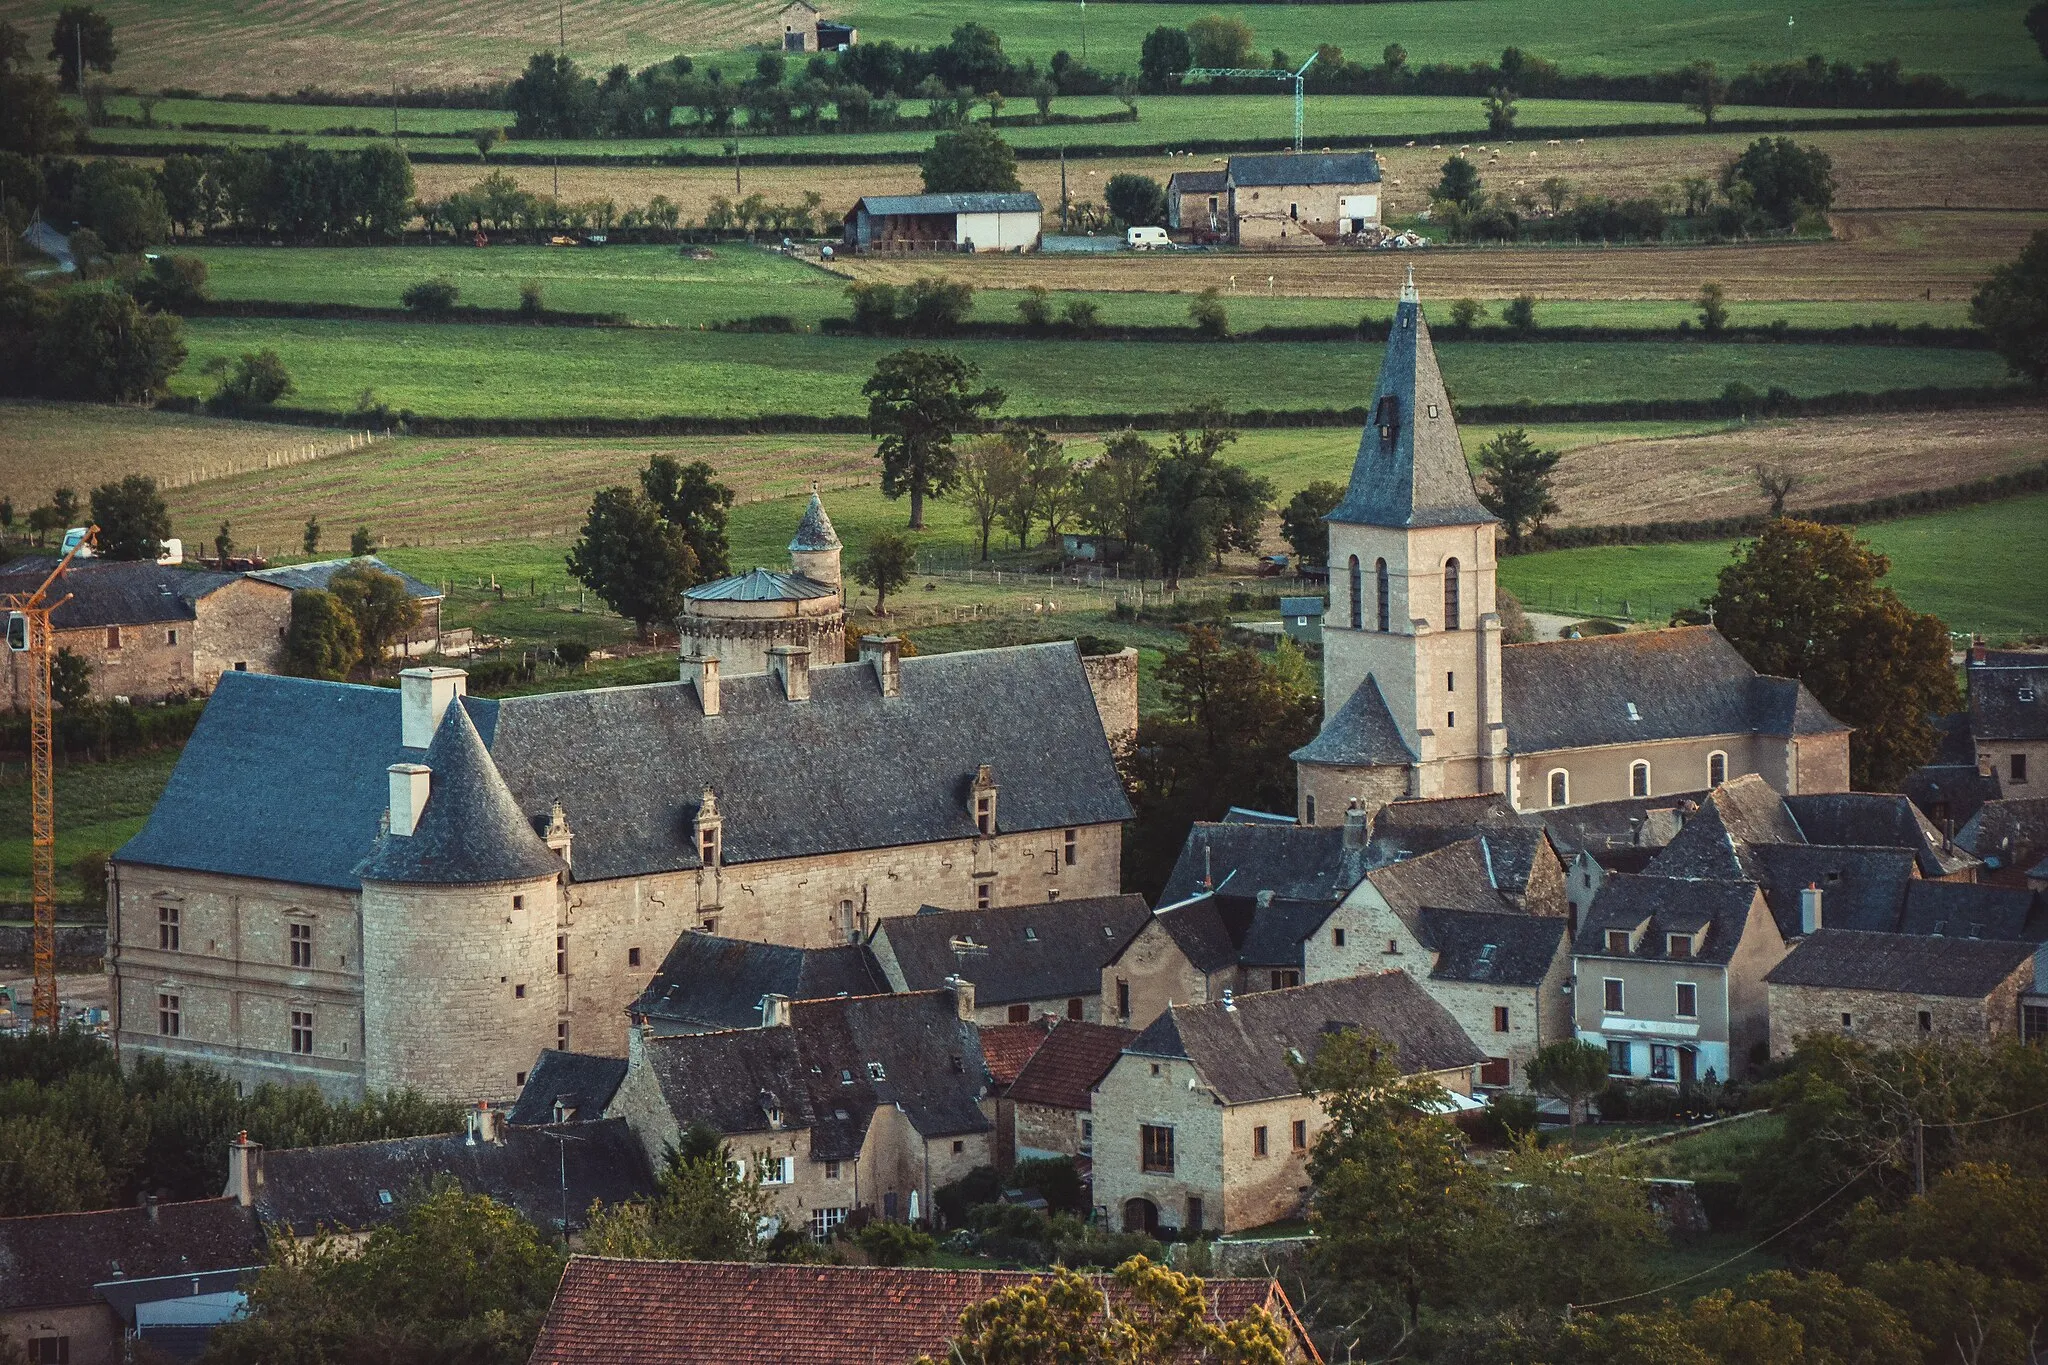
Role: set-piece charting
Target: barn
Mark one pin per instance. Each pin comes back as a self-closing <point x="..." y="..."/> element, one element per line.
<point x="944" y="222"/>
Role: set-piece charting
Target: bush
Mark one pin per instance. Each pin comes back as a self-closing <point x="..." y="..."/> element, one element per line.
<point x="933" y="303"/>
<point x="1093" y="645"/>
<point x="1033" y="310"/>
<point x="1206" y="311"/>
<point x="1055" y="1180"/>
<point x="530" y="304"/>
<point x="572" y="653"/>
<point x="434" y="297"/>
<point x="1136" y="200"/>
<point x="1465" y="314"/>
<point x="957" y="1201"/>
<point x="171" y="283"/>
<point x="896" y="1244"/>
<point x="1721" y="1198"/>
<point x="1080" y="315"/>
<point x="1508" y="1118"/>
<point x="1520" y="312"/>
<point x="256" y="379"/>
<point x="91" y="871"/>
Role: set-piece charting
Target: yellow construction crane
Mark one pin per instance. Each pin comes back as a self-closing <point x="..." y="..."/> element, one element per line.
<point x="28" y="632"/>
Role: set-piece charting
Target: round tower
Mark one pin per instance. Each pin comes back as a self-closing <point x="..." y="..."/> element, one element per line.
<point x="814" y="550"/>
<point x="738" y="620"/>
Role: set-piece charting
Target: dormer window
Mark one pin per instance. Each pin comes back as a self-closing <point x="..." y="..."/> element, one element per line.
<point x="875" y="1072"/>
<point x="710" y="829"/>
<point x="985" y="801"/>
<point x="1617" y="941"/>
<point x="1486" y="954"/>
<point x="845" y="1076"/>
<point x="1678" y="945"/>
<point x="1030" y="934"/>
<point x="2026" y="694"/>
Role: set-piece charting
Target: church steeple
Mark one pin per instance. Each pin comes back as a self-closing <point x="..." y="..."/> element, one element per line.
<point x="1410" y="469"/>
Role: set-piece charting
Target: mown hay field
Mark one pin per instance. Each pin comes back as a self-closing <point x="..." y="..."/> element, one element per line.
<point x="80" y="445"/>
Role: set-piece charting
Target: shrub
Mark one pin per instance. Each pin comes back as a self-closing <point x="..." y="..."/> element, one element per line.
<point x="1520" y="312"/>
<point x="1055" y="1180"/>
<point x="978" y="1187"/>
<point x="1099" y="644"/>
<point x="572" y="653"/>
<point x="1080" y="315"/>
<point x="530" y="304"/>
<point x="1465" y="314"/>
<point x="933" y="303"/>
<point x="432" y="297"/>
<point x="91" y="871"/>
<point x="171" y="283"/>
<point x="1206" y="311"/>
<point x="1033" y="309"/>
<point x="256" y="379"/>
<point x="1508" y="1117"/>
<point x="896" y="1244"/>
<point x="874" y="305"/>
<point x="1721" y="1198"/>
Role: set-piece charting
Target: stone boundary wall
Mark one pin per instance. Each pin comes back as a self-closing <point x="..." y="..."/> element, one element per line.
<point x="80" y="947"/>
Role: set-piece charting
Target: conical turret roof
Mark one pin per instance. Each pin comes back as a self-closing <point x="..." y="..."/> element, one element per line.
<point x="471" y="830"/>
<point x="815" y="531"/>
<point x="1411" y="469"/>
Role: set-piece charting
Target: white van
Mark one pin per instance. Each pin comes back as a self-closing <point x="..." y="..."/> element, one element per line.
<point x="1146" y="238"/>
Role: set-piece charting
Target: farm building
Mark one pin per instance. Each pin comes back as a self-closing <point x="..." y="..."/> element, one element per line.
<point x="806" y="29"/>
<point x="1302" y="199"/>
<point x="1302" y="619"/>
<point x="1198" y="202"/>
<point x="945" y="222"/>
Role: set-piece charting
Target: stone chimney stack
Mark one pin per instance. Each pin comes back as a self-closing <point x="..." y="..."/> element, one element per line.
<point x="774" y="1011"/>
<point x="701" y="670"/>
<point x="963" y="998"/>
<point x="411" y="783"/>
<point x="425" y="694"/>
<point x="884" y="653"/>
<point x="561" y="840"/>
<point x="245" y="1170"/>
<point x="792" y="665"/>
<point x="1809" y="909"/>
<point x="1356" y="828"/>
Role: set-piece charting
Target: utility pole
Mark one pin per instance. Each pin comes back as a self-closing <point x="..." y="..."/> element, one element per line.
<point x="561" y="50"/>
<point x="394" y="111"/>
<point x="1063" y="190"/>
<point x="1919" y="1157"/>
<point x="1084" y="32"/>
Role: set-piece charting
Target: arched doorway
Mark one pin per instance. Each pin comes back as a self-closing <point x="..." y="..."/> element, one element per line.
<point x="1141" y="1215"/>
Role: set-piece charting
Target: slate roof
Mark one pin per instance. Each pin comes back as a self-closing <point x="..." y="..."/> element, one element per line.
<point x="345" y="1187"/>
<point x="1671" y="905"/>
<point x="108" y="592"/>
<point x="1306" y="168"/>
<point x="1298" y="862"/>
<point x="885" y="205"/>
<point x="1360" y="734"/>
<point x="53" y="1261"/>
<point x="1416" y="825"/>
<point x="1419" y="477"/>
<point x="1242" y="1049"/>
<point x="761" y="585"/>
<point x="1488" y="871"/>
<point x="1064" y="1070"/>
<point x="2007" y="833"/>
<point x="819" y="1071"/>
<point x="612" y="1312"/>
<point x="707" y="982"/>
<point x="1015" y="953"/>
<point x="470" y="831"/>
<point x="1877" y="818"/>
<point x="1639" y="823"/>
<point x="628" y="764"/>
<point x="814" y="531"/>
<point x="320" y="572"/>
<point x="1685" y="682"/>
<point x="1861" y="888"/>
<point x="1902" y="964"/>
<point x="1716" y="840"/>
<point x="1196" y="182"/>
<point x="581" y="1081"/>
<point x="2009" y="696"/>
<point x="1972" y="910"/>
<point x="1219" y="931"/>
<point x="1303" y="606"/>
<point x="1493" y="948"/>
<point x="1956" y="789"/>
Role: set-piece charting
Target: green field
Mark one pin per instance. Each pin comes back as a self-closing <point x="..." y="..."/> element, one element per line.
<point x="1969" y="567"/>
<point x="655" y="284"/>
<point x="461" y="370"/>
<point x="103" y="805"/>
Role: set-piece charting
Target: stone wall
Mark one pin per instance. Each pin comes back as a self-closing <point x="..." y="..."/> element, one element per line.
<point x="1812" y="764"/>
<point x="1042" y="1129"/>
<point x="1155" y="1090"/>
<point x="149" y="663"/>
<point x="1323" y="792"/>
<point x="1275" y="215"/>
<point x="1892" y="1019"/>
<point x="241" y="628"/>
<point x="1265" y="1189"/>
<point x="80" y="947"/>
<point x="1153" y="973"/>
<point x="741" y="643"/>
<point x="93" y="1331"/>
<point x="1113" y="678"/>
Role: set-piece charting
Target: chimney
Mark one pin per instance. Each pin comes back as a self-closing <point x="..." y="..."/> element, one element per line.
<point x="1977" y="654"/>
<point x="1809" y="909"/>
<point x="1264" y="900"/>
<point x="1230" y="999"/>
<point x="424" y="695"/>
<point x="702" y="671"/>
<point x="774" y="1011"/>
<point x="1355" y="827"/>
<point x="245" y="1170"/>
<point x="410" y="786"/>
<point x="1983" y="764"/>
<point x="792" y="664"/>
<point x="884" y="653"/>
<point x="149" y="1207"/>
<point x="490" y="1124"/>
<point x="963" y="997"/>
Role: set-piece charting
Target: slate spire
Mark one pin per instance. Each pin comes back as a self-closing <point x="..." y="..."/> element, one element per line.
<point x="471" y="829"/>
<point x="1410" y="469"/>
<point x="815" y="531"/>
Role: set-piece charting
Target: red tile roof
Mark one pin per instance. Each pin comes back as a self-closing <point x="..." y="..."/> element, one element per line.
<point x="1006" y="1047"/>
<point x="613" y="1312"/>
<point x="1067" y="1066"/>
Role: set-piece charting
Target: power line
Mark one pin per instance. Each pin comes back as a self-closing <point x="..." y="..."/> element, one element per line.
<point x="1995" y="1118"/>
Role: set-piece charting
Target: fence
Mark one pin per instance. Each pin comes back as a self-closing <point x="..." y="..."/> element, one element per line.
<point x="274" y="459"/>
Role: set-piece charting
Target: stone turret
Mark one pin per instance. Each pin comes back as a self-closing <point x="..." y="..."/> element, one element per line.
<point x="742" y="620"/>
<point x="814" y="549"/>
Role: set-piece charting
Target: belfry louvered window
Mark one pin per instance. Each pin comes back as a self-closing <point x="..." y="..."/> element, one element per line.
<point x="1388" y="418"/>
<point x="1451" y="602"/>
<point x="1380" y="576"/>
<point x="1357" y="604"/>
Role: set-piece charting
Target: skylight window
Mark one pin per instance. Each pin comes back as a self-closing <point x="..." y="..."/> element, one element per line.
<point x="1030" y="934"/>
<point x="383" y="1196"/>
<point x="2026" y="694"/>
<point x="875" y="1072"/>
<point x="1633" y="714"/>
<point x="1486" y="953"/>
<point x="845" y="1077"/>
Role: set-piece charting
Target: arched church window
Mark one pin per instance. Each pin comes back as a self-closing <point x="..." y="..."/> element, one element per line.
<point x="1717" y="768"/>
<point x="1451" y="594"/>
<point x="1560" y="787"/>
<point x="1357" y="605"/>
<point x="1639" y="778"/>
<point x="1380" y="576"/>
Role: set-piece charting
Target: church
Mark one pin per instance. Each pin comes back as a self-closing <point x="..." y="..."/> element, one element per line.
<point x="1423" y="698"/>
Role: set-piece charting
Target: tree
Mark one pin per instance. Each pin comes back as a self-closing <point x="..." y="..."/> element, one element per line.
<point x="1806" y="601"/>
<point x="1136" y="200"/>
<point x="1163" y="56"/>
<point x="255" y="380"/>
<point x="322" y="640"/>
<point x="70" y="678"/>
<point x="1571" y="1071"/>
<point x="1776" y="483"/>
<point x="456" y="1277"/>
<point x="101" y="346"/>
<point x="1114" y="488"/>
<point x="885" y="565"/>
<point x="81" y="31"/>
<point x="1394" y="59"/>
<point x="361" y="542"/>
<point x="707" y="1206"/>
<point x="44" y="1169"/>
<point x="171" y="283"/>
<point x="1459" y="184"/>
<point x="1517" y="479"/>
<point x="223" y="544"/>
<point x="2037" y="24"/>
<point x="917" y="402"/>
<point x="552" y="99"/>
<point x="1782" y="179"/>
<point x="989" y="474"/>
<point x="2012" y="306"/>
<point x="969" y="161"/>
<point x="310" y="542"/>
<point x="1705" y="91"/>
<point x="1499" y="105"/>
<point x="1041" y="486"/>
<point x="692" y="500"/>
<point x="1220" y="40"/>
<point x="133" y="519"/>
<point x="1302" y="525"/>
<point x="384" y="611"/>
<point x="1561" y="1229"/>
<point x="1713" y="305"/>
<point x="36" y="122"/>
<point x="1519" y="312"/>
<point x="632" y="559"/>
<point x="434" y="298"/>
<point x="1465" y="314"/>
<point x="1195" y="505"/>
<point x="1206" y="312"/>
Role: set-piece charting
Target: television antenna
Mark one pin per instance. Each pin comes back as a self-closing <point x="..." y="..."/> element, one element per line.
<point x="1255" y="74"/>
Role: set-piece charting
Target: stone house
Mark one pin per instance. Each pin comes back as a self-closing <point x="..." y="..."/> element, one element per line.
<point x="1668" y="976"/>
<point x="537" y="852"/>
<point x="1900" y="989"/>
<point x="841" y="1105"/>
<point x="1206" y="947"/>
<point x="1024" y="960"/>
<point x="1422" y="699"/>
<point x="151" y="631"/>
<point x="1200" y="1125"/>
<point x="424" y="638"/>
<point x="1047" y="1109"/>
<point x="1302" y="198"/>
<point x="2008" y="716"/>
<point x="1198" y="204"/>
<point x="2010" y="835"/>
<point x="567" y="1087"/>
<point x="612" y="1312"/>
<point x="709" y="982"/>
<point x="72" y="1282"/>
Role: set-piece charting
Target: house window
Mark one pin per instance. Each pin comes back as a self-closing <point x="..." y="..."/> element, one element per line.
<point x="519" y="902"/>
<point x="171" y="636"/>
<point x="831" y="1170"/>
<point x="1282" y="979"/>
<point x="2033" y="1023"/>
<point x="1619" y="1062"/>
<point x="2017" y="768"/>
<point x="824" y="1222"/>
<point x="1610" y="995"/>
<point x="519" y="991"/>
<point x="1259" y="1140"/>
<point x="1451" y="617"/>
<point x="561" y="1035"/>
<point x="1194" y="1213"/>
<point x="1393" y="947"/>
<point x="1087" y="1134"/>
<point x="1450" y="720"/>
<point x="113" y="637"/>
<point x="1357" y="601"/>
<point x="778" y="1170"/>
<point x="1639" y="778"/>
<point x="1926" y="1021"/>
<point x="1717" y="768"/>
<point x="1678" y="945"/>
<point x="302" y="1032"/>
<point x="1337" y="938"/>
<point x="168" y="934"/>
<point x="1070" y="847"/>
<point x="1663" y="1062"/>
<point x="1688" y="1003"/>
<point x="561" y="954"/>
<point x="302" y="944"/>
<point x="519" y="1079"/>
<point x="1155" y="1148"/>
<point x="877" y="1072"/>
<point x="1308" y="808"/>
<point x="1385" y="611"/>
<point x="1500" y="1018"/>
<point x="1074" y="1008"/>
<point x="1020" y="1014"/>
<point x="1450" y="682"/>
<point x="1617" y="940"/>
<point x="981" y="895"/>
<point x="1560" y="787"/>
<point x="632" y="957"/>
<point x="1848" y="1021"/>
<point x="49" y="1350"/>
<point x="170" y="1015"/>
<point x="1299" y="1135"/>
<point x="985" y="814"/>
<point x="1494" y="1073"/>
<point x="1123" y="999"/>
<point x="707" y="846"/>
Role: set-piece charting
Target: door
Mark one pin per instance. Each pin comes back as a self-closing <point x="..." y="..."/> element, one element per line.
<point x="1141" y="1215"/>
<point x="1688" y="1066"/>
